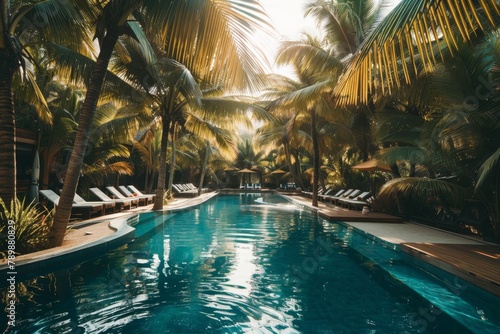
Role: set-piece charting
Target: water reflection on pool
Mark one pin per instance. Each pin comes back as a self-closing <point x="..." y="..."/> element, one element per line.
<point x="248" y="263"/>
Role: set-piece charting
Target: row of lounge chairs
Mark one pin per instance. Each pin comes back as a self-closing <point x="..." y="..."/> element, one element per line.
<point x="126" y="198"/>
<point x="187" y="189"/>
<point x="250" y="186"/>
<point x="352" y="199"/>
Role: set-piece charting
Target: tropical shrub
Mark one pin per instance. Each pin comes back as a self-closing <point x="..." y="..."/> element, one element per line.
<point x="32" y="226"/>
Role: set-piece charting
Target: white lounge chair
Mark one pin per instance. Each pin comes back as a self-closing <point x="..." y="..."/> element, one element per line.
<point x="122" y="204"/>
<point x="134" y="190"/>
<point x="325" y="197"/>
<point x="345" y="194"/>
<point x="109" y="207"/>
<point x="182" y="191"/>
<point x="357" y="202"/>
<point x="145" y="200"/>
<point x="113" y="191"/>
<point x="83" y="210"/>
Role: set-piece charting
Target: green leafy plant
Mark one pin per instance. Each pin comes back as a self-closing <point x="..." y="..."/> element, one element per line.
<point x="32" y="226"/>
<point x="167" y="197"/>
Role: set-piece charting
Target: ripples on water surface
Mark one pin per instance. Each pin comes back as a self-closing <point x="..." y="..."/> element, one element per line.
<point x="233" y="265"/>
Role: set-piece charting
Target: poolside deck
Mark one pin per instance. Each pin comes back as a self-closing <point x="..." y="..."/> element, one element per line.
<point x="476" y="264"/>
<point x="467" y="257"/>
<point x="333" y="212"/>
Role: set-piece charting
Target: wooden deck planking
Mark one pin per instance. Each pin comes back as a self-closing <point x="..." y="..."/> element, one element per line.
<point x="344" y="214"/>
<point x="476" y="264"/>
<point x="356" y="216"/>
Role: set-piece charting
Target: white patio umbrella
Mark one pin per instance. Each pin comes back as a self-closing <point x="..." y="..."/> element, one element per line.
<point x="35" y="176"/>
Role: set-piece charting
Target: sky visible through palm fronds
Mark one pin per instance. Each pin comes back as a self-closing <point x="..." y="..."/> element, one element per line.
<point x="288" y="18"/>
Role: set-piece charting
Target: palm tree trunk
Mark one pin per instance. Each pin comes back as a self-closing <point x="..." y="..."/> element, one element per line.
<point x="63" y="211"/>
<point x="395" y="170"/>
<point x="7" y="133"/>
<point x="204" y="168"/>
<point x="288" y="159"/>
<point x="298" y="170"/>
<point x="173" y="137"/>
<point x="48" y="158"/>
<point x="292" y="167"/>
<point x="160" y="188"/>
<point x="146" y="177"/>
<point x="412" y="170"/>
<point x="315" y="159"/>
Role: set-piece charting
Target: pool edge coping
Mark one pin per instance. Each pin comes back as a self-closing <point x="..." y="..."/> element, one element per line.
<point x="61" y="257"/>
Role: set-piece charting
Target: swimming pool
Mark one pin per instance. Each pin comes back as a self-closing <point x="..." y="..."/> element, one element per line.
<point x="249" y="263"/>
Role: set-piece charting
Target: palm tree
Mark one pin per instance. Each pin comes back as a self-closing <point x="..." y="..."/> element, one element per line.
<point x="248" y="157"/>
<point x="112" y="23"/>
<point x="172" y="90"/>
<point x="147" y="145"/>
<point x="224" y="23"/>
<point x="175" y="87"/>
<point x="218" y="118"/>
<point x="21" y="34"/>
<point x="111" y="136"/>
<point x="317" y="70"/>
<point x="283" y="131"/>
<point x="199" y="152"/>
<point x="318" y="63"/>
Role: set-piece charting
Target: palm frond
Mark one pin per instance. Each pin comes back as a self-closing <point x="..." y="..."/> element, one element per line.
<point x="339" y="133"/>
<point x="114" y="125"/>
<point x="413" y="27"/>
<point x="311" y="62"/>
<point x="303" y="98"/>
<point x="232" y="109"/>
<point x="60" y="22"/>
<point x="71" y="65"/>
<point x="413" y="154"/>
<point x="143" y="46"/>
<point x="397" y="126"/>
<point x="335" y="19"/>
<point x="217" y="44"/>
<point x="460" y="136"/>
<point x="223" y="138"/>
<point x="100" y="170"/>
<point x="423" y="189"/>
<point x="489" y="171"/>
<point x="32" y="95"/>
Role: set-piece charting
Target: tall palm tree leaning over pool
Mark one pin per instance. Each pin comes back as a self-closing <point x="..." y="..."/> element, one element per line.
<point x="19" y="24"/>
<point x="178" y="27"/>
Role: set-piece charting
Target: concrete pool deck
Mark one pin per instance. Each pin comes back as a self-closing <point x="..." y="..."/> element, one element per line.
<point x="94" y="237"/>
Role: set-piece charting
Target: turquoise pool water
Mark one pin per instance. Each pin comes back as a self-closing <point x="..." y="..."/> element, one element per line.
<point x="251" y="263"/>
